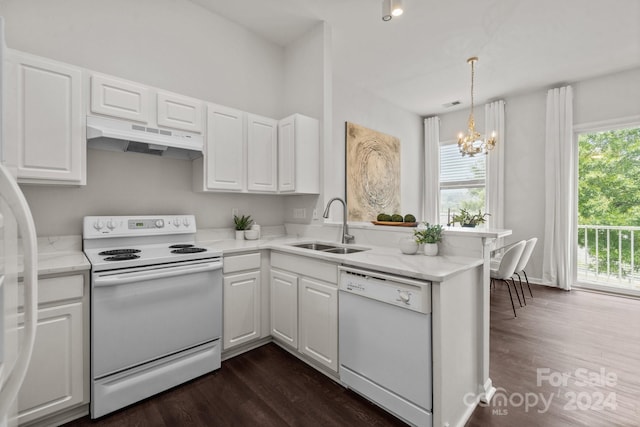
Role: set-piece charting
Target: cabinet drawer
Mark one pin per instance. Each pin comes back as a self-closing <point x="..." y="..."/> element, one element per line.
<point x="54" y="289"/>
<point x="306" y="266"/>
<point x="235" y="263"/>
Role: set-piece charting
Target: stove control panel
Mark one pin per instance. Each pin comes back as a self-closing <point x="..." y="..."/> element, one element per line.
<point x="119" y="226"/>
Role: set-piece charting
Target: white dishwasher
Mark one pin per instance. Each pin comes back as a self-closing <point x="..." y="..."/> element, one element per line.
<point x="385" y="341"/>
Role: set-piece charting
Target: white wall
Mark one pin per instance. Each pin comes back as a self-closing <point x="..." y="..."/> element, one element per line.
<point x="351" y="104"/>
<point x="308" y="91"/>
<point x="172" y="44"/>
<point x="604" y="98"/>
<point x="140" y="184"/>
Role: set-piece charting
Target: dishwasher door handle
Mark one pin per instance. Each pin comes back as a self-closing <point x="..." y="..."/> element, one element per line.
<point x="138" y="276"/>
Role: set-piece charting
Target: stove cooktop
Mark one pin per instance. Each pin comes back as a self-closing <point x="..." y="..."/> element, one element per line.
<point x="117" y="242"/>
<point x="144" y="255"/>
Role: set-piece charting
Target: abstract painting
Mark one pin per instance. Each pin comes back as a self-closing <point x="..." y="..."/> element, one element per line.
<point x="373" y="173"/>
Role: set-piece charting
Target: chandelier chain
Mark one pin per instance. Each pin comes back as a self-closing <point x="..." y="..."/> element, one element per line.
<point x="473" y="61"/>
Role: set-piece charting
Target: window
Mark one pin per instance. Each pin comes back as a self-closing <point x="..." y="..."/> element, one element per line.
<point x="462" y="181"/>
<point x="609" y="209"/>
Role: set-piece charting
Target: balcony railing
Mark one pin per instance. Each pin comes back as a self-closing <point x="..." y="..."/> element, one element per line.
<point x="607" y="255"/>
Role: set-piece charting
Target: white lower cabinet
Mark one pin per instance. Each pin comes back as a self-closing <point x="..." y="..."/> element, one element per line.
<point x="304" y="306"/>
<point x="319" y="321"/>
<point x="242" y="299"/>
<point x="58" y="371"/>
<point x="241" y="308"/>
<point x="284" y="307"/>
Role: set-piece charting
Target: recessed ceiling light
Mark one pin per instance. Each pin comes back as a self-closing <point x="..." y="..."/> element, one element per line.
<point x="391" y="8"/>
<point x="396" y="7"/>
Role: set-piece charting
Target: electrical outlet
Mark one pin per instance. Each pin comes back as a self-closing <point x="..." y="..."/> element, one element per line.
<point x="299" y="213"/>
<point x="315" y="213"/>
<point x="234" y="212"/>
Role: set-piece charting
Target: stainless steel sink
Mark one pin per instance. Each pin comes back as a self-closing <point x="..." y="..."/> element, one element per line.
<point x="332" y="249"/>
<point x="344" y="250"/>
<point x="315" y="246"/>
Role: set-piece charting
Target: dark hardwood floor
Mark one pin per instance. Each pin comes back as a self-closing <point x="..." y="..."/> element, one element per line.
<point x="577" y="338"/>
<point x="578" y="350"/>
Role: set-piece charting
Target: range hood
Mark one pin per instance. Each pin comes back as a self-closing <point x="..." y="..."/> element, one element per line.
<point x="123" y="135"/>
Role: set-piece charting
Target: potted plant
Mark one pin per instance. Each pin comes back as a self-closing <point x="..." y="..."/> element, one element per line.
<point x="466" y="219"/>
<point x="429" y="237"/>
<point x="242" y="223"/>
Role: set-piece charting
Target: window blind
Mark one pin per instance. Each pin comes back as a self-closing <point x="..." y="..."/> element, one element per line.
<point x="461" y="172"/>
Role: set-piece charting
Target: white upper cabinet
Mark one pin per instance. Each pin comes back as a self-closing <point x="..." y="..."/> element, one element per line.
<point x="120" y="98"/>
<point x="45" y="134"/>
<point x="179" y="112"/>
<point x="224" y="158"/>
<point x="262" y="151"/>
<point x="123" y="99"/>
<point x="299" y="155"/>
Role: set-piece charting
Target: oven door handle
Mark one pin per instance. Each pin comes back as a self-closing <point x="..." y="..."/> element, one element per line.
<point x="138" y="276"/>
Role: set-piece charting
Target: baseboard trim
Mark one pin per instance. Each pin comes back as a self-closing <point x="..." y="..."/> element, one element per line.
<point x="236" y="351"/>
<point x="595" y="289"/>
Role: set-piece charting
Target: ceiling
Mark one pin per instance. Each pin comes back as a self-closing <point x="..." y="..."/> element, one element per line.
<point x="418" y="60"/>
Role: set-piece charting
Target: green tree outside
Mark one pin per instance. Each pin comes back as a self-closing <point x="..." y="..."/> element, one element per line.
<point x="609" y="195"/>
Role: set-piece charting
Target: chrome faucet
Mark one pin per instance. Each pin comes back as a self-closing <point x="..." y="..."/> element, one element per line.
<point x="346" y="237"/>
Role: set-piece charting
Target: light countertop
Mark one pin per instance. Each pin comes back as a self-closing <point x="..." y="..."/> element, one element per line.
<point x="384" y="259"/>
<point x="62" y="255"/>
<point x="58" y="255"/>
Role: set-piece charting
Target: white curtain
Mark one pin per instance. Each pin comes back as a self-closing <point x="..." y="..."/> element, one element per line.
<point x="431" y="203"/>
<point x="560" y="190"/>
<point x="494" y="122"/>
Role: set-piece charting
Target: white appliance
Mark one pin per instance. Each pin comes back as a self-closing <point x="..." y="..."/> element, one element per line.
<point x="156" y="307"/>
<point x="16" y="346"/>
<point x="385" y="342"/>
<point x="122" y="135"/>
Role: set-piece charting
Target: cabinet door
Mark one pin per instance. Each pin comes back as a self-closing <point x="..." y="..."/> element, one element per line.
<point x="241" y="308"/>
<point x="262" y="146"/>
<point x="284" y="307"/>
<point x="179" y="112"/>
<point x="225" y="148"/>
<point x="54" y="380"/>
<point x="44" y="129"/>
<point x="319" y="321"/>
<point x="120" y="98"/>
<point x="286" y="154"/>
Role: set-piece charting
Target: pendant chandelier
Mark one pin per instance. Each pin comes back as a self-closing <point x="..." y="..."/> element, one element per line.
<point x="473" y="143"/>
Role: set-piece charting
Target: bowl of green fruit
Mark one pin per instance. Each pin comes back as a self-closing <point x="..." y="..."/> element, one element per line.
<point x="395" y="220"/>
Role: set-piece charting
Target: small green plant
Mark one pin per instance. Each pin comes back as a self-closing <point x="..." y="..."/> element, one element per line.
<point x="409" y="218"/>
<point x="466" y="219"/>
<point x="430" y="234"/>
<point x="384" y="217"/>
<point x="242" y="222"/>
<point x="396" y="218"/>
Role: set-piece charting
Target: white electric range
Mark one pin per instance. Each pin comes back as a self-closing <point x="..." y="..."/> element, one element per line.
<point x="156" y="307"/>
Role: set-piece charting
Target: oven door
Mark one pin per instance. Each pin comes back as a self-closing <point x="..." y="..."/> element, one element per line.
<point x="142" y="314"/>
